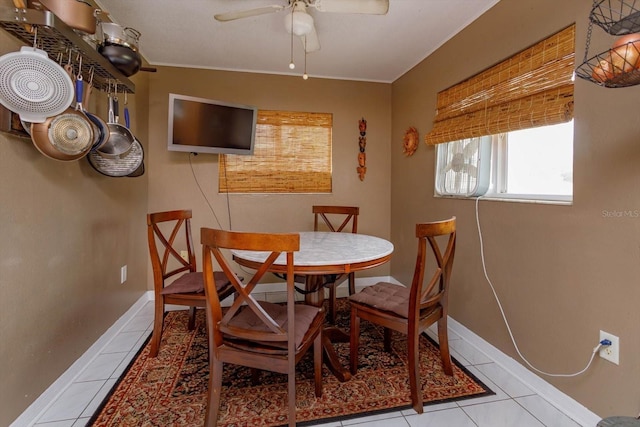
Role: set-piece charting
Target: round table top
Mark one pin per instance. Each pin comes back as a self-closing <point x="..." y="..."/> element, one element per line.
<point x="319" y="248"/>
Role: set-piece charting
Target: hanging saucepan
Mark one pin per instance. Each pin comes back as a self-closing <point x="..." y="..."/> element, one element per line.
<point x="120" y="46"/>
<point x="34" y="86"/>
<point x="103" y="132"/>
<point x="127" y="121"/>
<point x="120" y="137"/>
<point x="117" y="166"/>
<point x="77" y="14"/>
<point x="67" y="136"/>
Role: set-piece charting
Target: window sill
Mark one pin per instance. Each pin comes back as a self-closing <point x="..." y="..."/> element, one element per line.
<point x="560" y="201"/>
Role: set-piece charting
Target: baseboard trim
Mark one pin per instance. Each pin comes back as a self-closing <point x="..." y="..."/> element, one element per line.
<point x="31" y="415"/>
<point x="555" y="397"/>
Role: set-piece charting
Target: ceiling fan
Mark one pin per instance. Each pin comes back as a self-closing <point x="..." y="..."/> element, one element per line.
<point x="300" y="22"/>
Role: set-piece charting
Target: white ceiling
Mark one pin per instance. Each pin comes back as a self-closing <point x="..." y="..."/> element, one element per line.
<point x="377" y="48"/>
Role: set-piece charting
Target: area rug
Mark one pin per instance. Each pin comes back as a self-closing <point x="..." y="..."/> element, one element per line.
<point x="171" y="389"/>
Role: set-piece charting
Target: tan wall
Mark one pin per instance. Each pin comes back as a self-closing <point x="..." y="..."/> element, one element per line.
<point x="65" y="232"/>
<point x="172" y="184"/>
<point x="562" y="272"/>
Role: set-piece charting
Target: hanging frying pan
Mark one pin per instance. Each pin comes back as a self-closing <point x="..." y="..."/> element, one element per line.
<point x="127" y="121"/>
<point x="120" y="137"/>
<point x="138" y="172"/>
<point x="117" y="166"/>
<point x="34" y="86"/>
<point x="101" y="128"/>
<point x="66" y="137"/>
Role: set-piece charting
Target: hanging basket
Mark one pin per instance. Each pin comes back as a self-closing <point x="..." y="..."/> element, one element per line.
<point x="619" y="67"/>
<point x="616" y="17"/>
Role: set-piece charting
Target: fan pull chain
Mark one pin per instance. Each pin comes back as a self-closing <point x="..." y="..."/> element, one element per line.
<point x="305" y="75"/>
<point x="291" y="64"/>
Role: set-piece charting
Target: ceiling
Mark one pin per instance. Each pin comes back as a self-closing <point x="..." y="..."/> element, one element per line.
<point x="378" y="48"/>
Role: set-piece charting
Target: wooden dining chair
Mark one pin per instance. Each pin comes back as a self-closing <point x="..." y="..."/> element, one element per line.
<point x="252" y="333"/>
<point x="175" y="278"/>
<point x="335" y="219"/>
<point x="411" y="310"/>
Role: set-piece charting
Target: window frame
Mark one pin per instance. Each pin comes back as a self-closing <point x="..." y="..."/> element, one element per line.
<point x="498" y="184"/>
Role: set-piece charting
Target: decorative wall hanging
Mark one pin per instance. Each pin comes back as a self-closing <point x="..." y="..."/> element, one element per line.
<point x="410" y="141"/>
<point x="362" y="143"/>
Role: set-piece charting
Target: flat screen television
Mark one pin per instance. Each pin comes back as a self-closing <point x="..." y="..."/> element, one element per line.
<point x="199" y="125"/>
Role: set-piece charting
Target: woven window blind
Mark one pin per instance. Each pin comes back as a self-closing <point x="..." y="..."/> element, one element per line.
<point x="292" y="154"/>
<point x="532" y="88"/>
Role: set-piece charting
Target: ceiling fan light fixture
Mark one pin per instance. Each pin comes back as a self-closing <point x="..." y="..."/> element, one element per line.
<point x="300" y="23"/>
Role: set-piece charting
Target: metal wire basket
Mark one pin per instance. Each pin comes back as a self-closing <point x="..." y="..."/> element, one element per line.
<point x="620" y="65"/>
<point x="617" y="17"/>
<point x="613" y="68"/>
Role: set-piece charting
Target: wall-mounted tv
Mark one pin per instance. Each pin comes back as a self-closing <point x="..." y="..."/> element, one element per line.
<point x="199" y="125"/>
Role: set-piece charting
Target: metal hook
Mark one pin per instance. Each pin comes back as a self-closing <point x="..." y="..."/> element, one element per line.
<point x="79" y="67"/>
<point x="35" y="36"/>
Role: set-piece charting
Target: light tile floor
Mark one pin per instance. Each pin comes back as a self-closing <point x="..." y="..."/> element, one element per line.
<point x="514" y="404"/>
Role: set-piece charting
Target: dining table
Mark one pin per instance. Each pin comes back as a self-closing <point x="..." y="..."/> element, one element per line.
<point x="323" y="253"/>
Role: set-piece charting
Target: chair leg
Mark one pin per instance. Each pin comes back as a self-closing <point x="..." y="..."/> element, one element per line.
<point x="213" y="398"/>
<point x="332" y="303"/>
<point x="317" y="364"/>
<point x="292" y="390"/>
<point x="158" y="320"/>
<point x="354" y="341"/>
<point x="443" y="339"/>
<point x="414" y="371"/>
<point x="192" y="318"/>
<point x="352" y="283"/>
<point x="387" y="340"/>
<point x="255" y="376"/>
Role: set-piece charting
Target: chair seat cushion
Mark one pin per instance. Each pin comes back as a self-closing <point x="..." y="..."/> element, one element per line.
<point x="304" y="317"/>
<point x="194" y="283"/>
<point x="385" y="296"/>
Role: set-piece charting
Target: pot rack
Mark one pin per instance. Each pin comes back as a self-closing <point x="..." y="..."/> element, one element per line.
<point x="59" y="41"/>
<point x="617" y="18"/>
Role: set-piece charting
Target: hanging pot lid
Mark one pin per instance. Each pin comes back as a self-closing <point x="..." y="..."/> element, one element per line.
<point x="117" y="166"/>
<point x="34" y="86"/>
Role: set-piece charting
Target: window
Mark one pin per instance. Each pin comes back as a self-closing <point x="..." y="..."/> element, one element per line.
<point x="292" y="154"/>
<point x="537" y="163"/>
<point x="531" y="164"/>
<point x="523" y="108"/>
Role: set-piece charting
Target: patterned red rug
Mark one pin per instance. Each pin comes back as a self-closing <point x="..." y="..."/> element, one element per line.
<point x="171" y="389"/>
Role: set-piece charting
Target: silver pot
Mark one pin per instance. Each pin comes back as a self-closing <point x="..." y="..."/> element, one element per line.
<point x="120" y="46"/>
<point x="115" y="34"/>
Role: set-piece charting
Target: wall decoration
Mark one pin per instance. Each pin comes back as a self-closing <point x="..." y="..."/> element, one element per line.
<point x="362" y="143"/>
<point x="410" y="141"/>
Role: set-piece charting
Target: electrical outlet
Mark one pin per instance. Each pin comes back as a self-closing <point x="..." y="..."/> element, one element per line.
<point x="184" y="255"/>
<point x="610" y="352"/>
<point x="123" y="274"/>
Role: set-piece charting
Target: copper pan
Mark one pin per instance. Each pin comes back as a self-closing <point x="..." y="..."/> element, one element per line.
<point x="65" y="137"/>
<point x="77" y="14"/>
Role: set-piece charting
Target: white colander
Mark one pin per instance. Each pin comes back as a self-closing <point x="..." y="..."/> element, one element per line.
<point x="34" y="86"/>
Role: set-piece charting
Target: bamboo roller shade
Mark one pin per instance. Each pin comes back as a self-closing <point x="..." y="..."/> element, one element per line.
<point x="292" y="154"/>
<point x="532" y="88"/>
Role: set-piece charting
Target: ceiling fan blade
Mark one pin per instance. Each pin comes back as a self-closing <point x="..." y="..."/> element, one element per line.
<point x="374" y="7"/>
<point x="230" y="16"/>
<point x="310" y="42"/>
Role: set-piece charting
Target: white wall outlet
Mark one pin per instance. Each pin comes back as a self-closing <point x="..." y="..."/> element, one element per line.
<point x="610" y="352"/>
<point x="184" y="255"/>
<point x="123" y="274"/>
